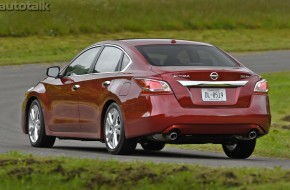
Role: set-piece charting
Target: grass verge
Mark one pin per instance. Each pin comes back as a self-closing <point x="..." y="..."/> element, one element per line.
<point x="27" y="172"/>
<point x="39" y="49"/>
<point x="110" y="16"/>
<point x="277" y="142"/>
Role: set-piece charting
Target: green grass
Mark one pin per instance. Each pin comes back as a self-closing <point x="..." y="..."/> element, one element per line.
<point x="28" y="172"/>
<point x="57" y="35"/>
<point x="110" y="16"/>
<point x="277" y="142"/>
<point x="39" y="49"/>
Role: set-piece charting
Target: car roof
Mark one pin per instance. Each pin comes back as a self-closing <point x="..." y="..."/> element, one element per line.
<point x="140" y="42"/>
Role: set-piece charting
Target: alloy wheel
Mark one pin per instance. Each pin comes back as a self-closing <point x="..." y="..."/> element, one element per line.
<point x="113" y="128"/>
<point x="34" y="123"/>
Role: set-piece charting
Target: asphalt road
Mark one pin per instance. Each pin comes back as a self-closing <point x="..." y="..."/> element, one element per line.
<point x="15" y="80"/>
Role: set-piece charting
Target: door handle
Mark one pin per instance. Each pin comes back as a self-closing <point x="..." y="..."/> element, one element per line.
<point x="76" y="86"/>
<point x="106" y="83"/>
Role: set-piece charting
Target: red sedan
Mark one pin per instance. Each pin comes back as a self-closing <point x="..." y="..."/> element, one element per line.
<point x="152" y="92"/>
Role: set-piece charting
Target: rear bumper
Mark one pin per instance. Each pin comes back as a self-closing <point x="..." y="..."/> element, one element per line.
<point x="162" y="114"/>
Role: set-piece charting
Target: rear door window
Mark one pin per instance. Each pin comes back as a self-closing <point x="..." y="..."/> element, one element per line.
<point x="109" y="60"/>
<point x="125" y="62"/>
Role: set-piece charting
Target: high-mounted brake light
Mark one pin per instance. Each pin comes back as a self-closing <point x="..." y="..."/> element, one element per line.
<point x="261" y="86"/>
<point x="153" y="86"/>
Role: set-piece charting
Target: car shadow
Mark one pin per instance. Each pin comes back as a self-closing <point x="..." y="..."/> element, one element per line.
<point x="167" y="153"/>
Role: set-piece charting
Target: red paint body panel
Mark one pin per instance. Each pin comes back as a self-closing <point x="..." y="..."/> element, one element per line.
<point x="79" y="113"/>
<point x="163" y="112"/>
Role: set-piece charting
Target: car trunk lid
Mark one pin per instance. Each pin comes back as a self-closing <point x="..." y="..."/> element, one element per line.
<point x="210" y="87"/>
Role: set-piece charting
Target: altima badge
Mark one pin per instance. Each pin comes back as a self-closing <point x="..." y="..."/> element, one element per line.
<point x="181" y="76"/>
<point x="244" y="76"/>
<point x="214" y="76"/>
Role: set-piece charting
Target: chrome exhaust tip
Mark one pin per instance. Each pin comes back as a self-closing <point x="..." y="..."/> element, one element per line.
<point x="252" y="135"/>
<point x="173" y="136"/>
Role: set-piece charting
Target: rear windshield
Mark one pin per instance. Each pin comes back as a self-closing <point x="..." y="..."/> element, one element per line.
<point x="185" y="55"/>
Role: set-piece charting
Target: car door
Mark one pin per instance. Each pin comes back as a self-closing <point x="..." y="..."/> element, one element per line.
<point x="97" y="87"/>
<point x="64" y="96"/>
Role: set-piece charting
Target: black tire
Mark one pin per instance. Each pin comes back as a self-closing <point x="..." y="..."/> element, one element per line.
<point x="122" y="145"/>
<point x="241" y="149"/>
<point x="152" y="146"/>
<point x="37" y="127"/>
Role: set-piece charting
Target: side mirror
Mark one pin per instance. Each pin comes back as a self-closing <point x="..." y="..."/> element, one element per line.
<point x="53" y="71"/>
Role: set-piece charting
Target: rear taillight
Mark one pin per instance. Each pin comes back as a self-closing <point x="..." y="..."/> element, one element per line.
<point x="261" y="86"/>
<point x="153" y="86"/>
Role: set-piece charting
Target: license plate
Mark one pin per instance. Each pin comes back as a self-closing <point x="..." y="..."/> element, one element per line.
<point x="213" y="94"/>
